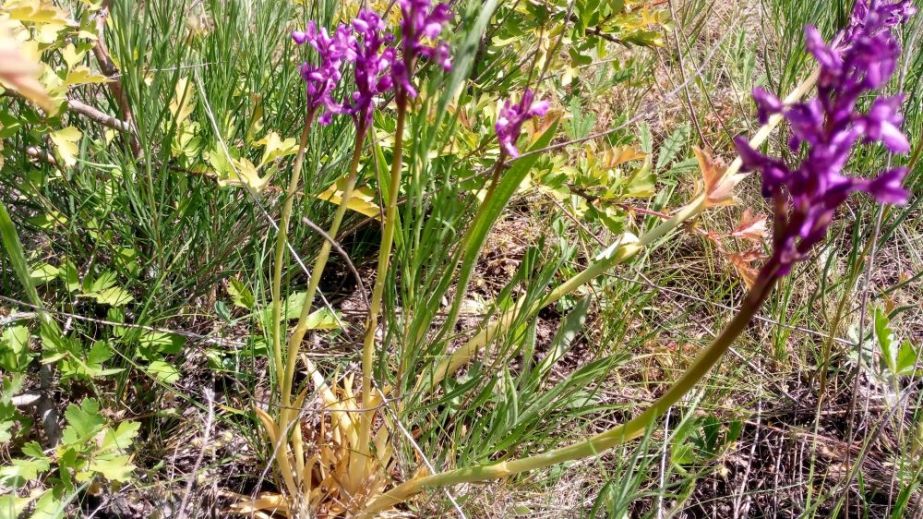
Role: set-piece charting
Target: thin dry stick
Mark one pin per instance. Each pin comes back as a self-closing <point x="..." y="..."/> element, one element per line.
<point x="738" y="498"/>
<point x="97" y="115"/>
<point x="206" y="440"/>
<point x="663" y="463"/>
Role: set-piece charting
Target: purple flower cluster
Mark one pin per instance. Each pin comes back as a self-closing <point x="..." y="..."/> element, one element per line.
<point x="513" y="116"/>
<point x="367" y="43"/>
<point x="322" y="79"/>
<point x="862" y="59"/>
<point x="374" y="59"/>
<point x="421" y="25"/>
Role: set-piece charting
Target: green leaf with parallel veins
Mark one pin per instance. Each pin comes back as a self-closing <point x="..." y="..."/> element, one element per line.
<point x="671" y="146"/>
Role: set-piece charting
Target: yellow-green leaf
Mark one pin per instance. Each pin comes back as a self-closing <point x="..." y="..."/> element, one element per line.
<point x="275" y="147"/>
<point x="83" y="75"/>
<point x="41" y="12"/>
<point x="71" y="55"/>
<point x="362" y="200"/>
<point x="114" y="468"/>
<point x="164" y="371"/>
<point x="182" y="103"/>
<point x="245" y="173"/>
<point x="67" y="141"/>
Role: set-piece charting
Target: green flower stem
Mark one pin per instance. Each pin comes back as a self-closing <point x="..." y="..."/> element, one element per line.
<point x="276" y="290"/>
<point x="301" y="328"/>
<point x="281" y="241"/>
<point x="619" y="253"/>
<point x="603" y="441"/>
<point x="381" y="278"/>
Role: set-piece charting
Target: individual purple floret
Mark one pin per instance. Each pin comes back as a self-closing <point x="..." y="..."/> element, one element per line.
<point x="888" y="15"/>
<point x="421" y="25"/>
<point x="321" y="79"/>
<point x="862" y="59"/>
<point x="373" y="65"/>
<point x="512" y="117"/>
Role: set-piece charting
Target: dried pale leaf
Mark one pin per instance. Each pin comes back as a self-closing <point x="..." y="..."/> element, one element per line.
<point x="723" y="193"/>
<point x="362" y="200"/>
<point x="21" y="74"/>
<point x="268" y="424"/>
<point x="752" y="227"/>
<point x="273" y="503"/>
<point x="618" y="155"/>
<point x="718" y="188"/>
<point x="743" y="264"/>
<point x="67" y="141"/>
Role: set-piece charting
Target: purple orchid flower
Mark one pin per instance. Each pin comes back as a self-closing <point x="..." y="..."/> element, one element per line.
<point x="322" y="79"/>
<point x="861" y="59"/>
<point x="513" y="116"/>
<point x="374" y="60"/>
<point x="421" y="25"/>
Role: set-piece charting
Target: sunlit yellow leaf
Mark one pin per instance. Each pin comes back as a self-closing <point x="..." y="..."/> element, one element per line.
<point x="71" y="55"/>
<point x="362" y="200"/>
<point x="82" y="75"/>
<point x="67" y="142"/>
<point x="275" y="147"/>
<point x="182" y="103"/>
<point x="244" y="173"/>
<point x="41" y="12"/>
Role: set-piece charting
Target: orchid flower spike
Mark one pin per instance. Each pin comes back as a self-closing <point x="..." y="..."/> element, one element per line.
<point x="861" y="60"/>
<point x="513" y="116"/>
<point x="421" y="25"/>
<point x="321" y="79"/>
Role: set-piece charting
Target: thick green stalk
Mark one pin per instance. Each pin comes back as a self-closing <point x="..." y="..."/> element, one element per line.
<point x="282" y="241"/>
<point x="282" y="457"/>
<point x="608" y="439"/>
<point x="301" y="328"/>
<point x="381" y="277"/>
